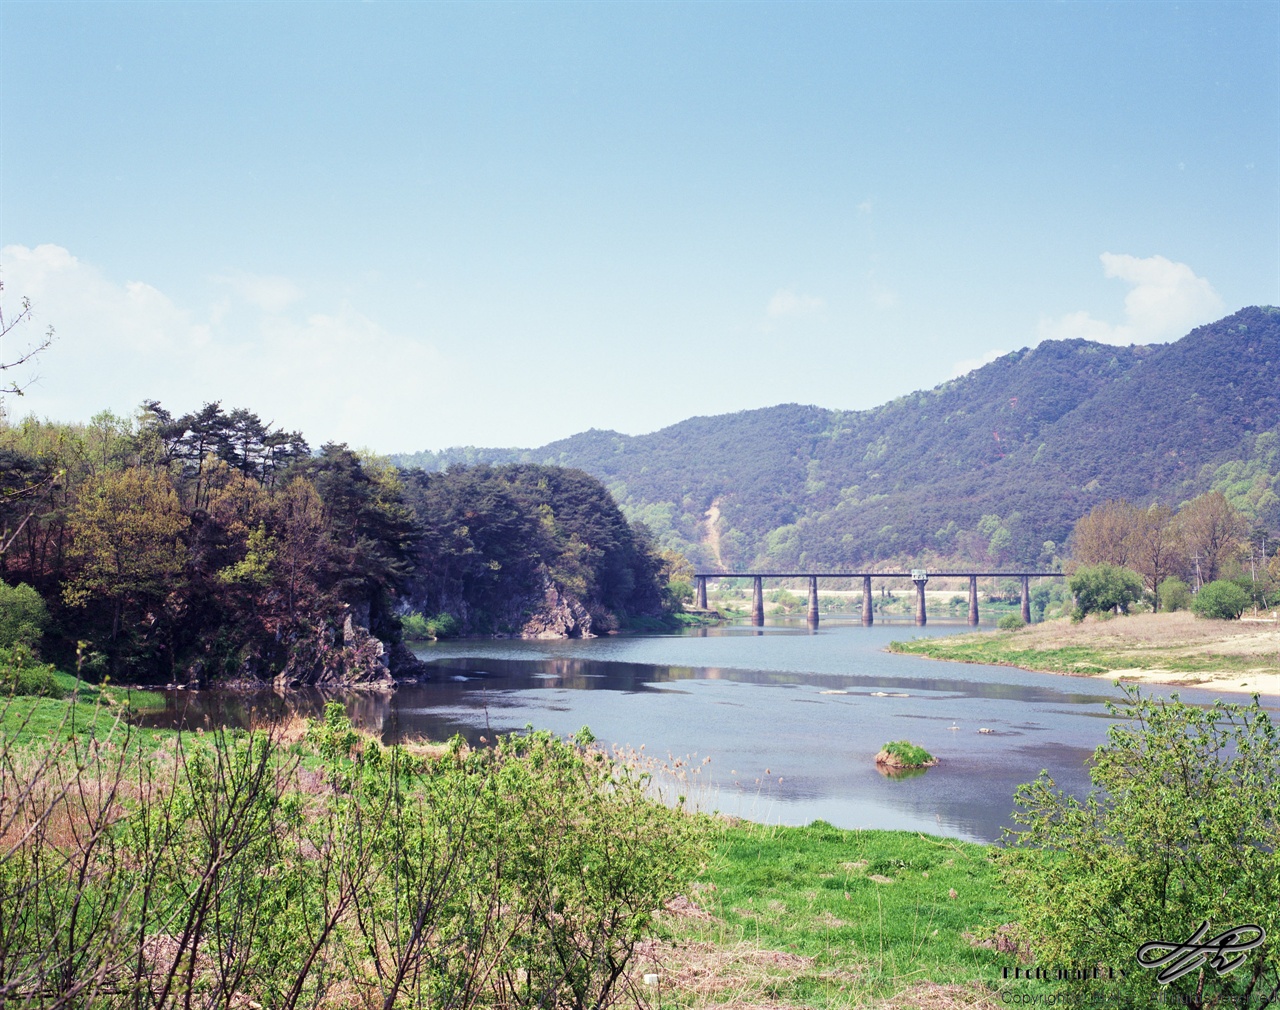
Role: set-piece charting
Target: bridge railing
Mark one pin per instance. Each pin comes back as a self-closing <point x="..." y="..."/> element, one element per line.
<point x="919" y="576"/>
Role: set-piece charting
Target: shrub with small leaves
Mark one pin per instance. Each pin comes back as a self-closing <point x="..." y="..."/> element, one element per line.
<point x="1099" y="589"/>
<point x="22" y="674"/>
<point x="1183" y="828"/>
<point x="1174" y="594"/>
<point x="23" y="616"/>
<point x="1221" y="601"/>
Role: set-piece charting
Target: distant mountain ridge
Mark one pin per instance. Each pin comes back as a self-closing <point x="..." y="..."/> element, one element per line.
<point x="992" y="467"/>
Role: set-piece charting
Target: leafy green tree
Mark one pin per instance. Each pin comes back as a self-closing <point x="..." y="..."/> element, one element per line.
<point x="678" y="593"/>
<point x="298" y="513"/>
<point x="371" y="527"/>
<point x="1099" y="589"/>
<point x="1048" y="600"/>
<point x="26" y="484"/>
<point x="1175" y="594"/>
<point x="490" y="536"/>
<point x="1103" y="535"/>
<point x="127" y="544"/>
<point x="1147" y="541"/>
<point x="1220" y="600"/>
<point x="240" y="439"/>
<point x="23" y="616"/>
<point x="1183" y="828"/>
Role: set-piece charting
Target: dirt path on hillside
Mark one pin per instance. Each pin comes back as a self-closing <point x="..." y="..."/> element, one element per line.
<point x="713" y="531"/>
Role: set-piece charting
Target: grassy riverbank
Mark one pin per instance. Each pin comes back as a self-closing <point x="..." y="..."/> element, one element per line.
<point x="83" y="710"/>
<point x="792" y="916"/>
<point x="1177" y="649"/>
<point x="310" y="866"/>
<point x="819" y="917"/>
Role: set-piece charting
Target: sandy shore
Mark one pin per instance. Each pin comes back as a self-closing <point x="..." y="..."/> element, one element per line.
<point x="1177" y="635"/>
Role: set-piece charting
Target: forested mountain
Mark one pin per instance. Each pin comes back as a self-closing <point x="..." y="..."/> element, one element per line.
<point x="990" y="468"/>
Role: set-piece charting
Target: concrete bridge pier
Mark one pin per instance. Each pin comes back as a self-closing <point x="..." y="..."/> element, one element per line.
<point x="757" y="602"/>
<point x="1026" y="599"/>
<point x="973" y="599"/>
<point x="867" y="617"/>
<point x="921" y="618"/>
<point x="701" y="590"/>
<point x="813" y="601"/>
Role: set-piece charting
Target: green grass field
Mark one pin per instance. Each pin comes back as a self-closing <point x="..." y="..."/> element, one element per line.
<point x="85" y="710"/>
<point x="821" y="917"/>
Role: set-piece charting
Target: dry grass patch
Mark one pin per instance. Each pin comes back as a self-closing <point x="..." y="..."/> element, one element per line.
<point x="931" y="996"/>
<point x="287" y="730"/>
<point x="425" y="749"/>
<point x="701" y="973"/>
<point x="1176" y="649"/>
<point x="1180" y="629"/>
<point x="680" y="907"/>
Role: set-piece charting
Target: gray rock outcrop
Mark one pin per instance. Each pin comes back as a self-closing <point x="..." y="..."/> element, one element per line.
<point x="559" y="615"/>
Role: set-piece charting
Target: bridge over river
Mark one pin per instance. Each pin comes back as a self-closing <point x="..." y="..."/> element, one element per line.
<point x="917" y="575"/>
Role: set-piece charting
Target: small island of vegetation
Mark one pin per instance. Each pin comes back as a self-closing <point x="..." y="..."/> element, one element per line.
<point x="904" y="755"/>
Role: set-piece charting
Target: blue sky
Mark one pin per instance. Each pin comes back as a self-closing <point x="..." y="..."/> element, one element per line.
<point x="409" y="226"/>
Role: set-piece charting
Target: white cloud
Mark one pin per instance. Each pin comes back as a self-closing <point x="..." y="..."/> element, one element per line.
<point x="969" y="364"/>
<point x="330" y="371"/>
<point x="787" y="303"/>
<point x="269" y="293"/>
<point x="1166" y="301"/>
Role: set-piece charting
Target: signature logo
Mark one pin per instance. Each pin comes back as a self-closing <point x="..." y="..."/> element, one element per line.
<point x="1224" y="952"/>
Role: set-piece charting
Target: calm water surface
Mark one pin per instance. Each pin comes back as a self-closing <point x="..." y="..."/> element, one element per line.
<point x="790" y="718"/>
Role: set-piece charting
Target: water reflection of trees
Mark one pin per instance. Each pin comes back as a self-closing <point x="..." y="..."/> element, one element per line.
<point x="462" y="692"/>
<point x="189" y="710"/>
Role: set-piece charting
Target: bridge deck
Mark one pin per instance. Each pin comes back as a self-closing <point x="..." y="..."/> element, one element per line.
<point x="757" y="597"/>
<point x="873" y="575"/>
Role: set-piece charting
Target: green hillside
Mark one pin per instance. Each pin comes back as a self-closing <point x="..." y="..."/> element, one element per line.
<point x="990" y="468"/>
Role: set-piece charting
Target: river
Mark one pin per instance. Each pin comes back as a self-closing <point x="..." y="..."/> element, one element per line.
<point x="790" y="718"/>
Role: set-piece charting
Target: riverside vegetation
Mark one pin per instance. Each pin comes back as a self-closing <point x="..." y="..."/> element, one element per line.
<point x="248" y="869"/>
<point x="211" y="547"/>
<point x="307" y="865"/>
<point x="1128" y="564"/>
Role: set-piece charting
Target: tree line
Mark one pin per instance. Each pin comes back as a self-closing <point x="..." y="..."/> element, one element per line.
<point x="1205" y="541"/>
<point x="213" y="546"/>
